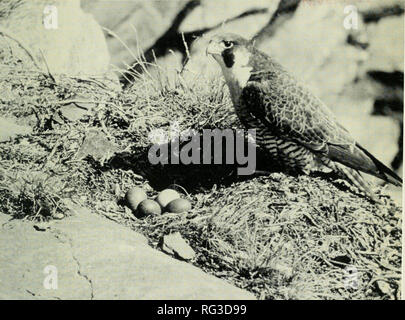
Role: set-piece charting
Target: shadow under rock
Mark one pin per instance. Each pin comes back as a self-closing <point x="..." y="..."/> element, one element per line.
<point x="196" y="178"/>
<point x="390" y="103"/>
<point x="193" y="177"/>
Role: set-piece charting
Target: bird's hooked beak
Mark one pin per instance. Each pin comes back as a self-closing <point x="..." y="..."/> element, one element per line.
<point x="214" y="48"/>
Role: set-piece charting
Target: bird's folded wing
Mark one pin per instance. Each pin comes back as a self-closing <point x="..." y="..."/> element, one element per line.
<point x="291" y="111"/>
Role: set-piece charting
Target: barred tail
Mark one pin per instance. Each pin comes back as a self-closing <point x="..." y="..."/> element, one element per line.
<point x="382" y="171"/>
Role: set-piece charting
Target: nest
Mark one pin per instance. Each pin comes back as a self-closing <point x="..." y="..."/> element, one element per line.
<point x="279" y="236"/>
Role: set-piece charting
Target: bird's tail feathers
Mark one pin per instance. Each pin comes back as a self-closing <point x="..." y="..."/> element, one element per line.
<point x="384" y="172"/>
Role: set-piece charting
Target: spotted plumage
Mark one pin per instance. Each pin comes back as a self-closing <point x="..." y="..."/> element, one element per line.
<point x="294" y="126"/>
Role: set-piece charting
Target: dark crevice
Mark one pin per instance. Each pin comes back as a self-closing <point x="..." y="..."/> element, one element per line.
<point x="390" y="79"/>
<point x="391" y="104"/>
<point x="376" y="14"/>
<point x="190" y="6"/>
<point x="246" y="14"/>
<point x="284" y="12"/>
<point x="387" y="106"/>
<point x="398" y="159"/>
<point x="194" y="177"/>
<point x="171" y="39"/>
<point x="197" y="178"/>
<point x="64" y="238"/>
<point x="351" y="39"/>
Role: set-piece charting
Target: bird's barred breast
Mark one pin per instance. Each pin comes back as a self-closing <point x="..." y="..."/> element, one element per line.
<point x="287" y="154"/>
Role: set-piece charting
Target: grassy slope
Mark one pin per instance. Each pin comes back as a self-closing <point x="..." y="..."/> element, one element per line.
<point x="279" y="236"/>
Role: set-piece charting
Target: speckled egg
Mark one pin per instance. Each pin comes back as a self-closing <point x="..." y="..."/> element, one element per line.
<point x="178" y="206"/>
<point x="166" y="196"/>
<point x="147" y="208"/>
<point x="134" y="197"/>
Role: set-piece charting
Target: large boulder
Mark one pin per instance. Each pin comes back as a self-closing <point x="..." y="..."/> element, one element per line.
<point x="386" y="45"/>
<point x="135" y="25"/>
<point x="95" y="258"/>
<point x="133" y="28"/>
<point x="213" y="14"/>
<point x="61" y="37"/>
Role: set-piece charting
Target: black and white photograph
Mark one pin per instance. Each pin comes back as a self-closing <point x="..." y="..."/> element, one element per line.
<point x="210" y="150"/>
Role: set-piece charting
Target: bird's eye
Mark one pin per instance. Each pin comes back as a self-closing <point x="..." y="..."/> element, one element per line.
<point x="228" y="44"/>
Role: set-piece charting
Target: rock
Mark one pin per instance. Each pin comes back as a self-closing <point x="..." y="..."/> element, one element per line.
<point x="134" y="22"/>
<point x="384" y="287"/>
<point x="386" y="48"/>
<point x="58" y="216"/>
<point x="218" y="14"/>
<point x="395" y="192"/>
<point x="174" y="244"/>
<point x="10" y="129"/>
<point x="75" y="46"/>
<point x="70" y="112"/>
<point x="75" y="109"/>
<point x="96" y="259"/>
<point x="41" y="226"/>
<point x="98" y="146"/>
<point x="25" y="256"/>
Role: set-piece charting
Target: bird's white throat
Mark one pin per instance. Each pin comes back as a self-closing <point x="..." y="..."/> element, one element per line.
<point x="238" y="75"/>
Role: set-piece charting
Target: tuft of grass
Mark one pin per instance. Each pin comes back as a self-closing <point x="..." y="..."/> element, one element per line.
<point x="32" y="194"/>
<point x="8" y="6"/>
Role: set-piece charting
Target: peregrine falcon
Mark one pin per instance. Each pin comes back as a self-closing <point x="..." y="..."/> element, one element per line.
<point x="292" y="125"/>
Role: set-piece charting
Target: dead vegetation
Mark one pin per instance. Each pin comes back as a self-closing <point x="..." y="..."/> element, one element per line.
<point x="279" y="236"/>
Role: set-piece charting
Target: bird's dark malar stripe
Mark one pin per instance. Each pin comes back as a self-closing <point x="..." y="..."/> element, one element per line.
<point x="229" y="58"/>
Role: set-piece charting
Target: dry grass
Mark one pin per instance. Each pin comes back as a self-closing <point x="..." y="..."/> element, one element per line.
<point x="280" y="236"/>
<point x="8" y="6"/>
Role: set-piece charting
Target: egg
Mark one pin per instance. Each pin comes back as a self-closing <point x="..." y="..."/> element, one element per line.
<point x="178" y="206"/>
<point x="148" y="208"/>
<point x="166" y="196"/>
<point x="134" y="197"/>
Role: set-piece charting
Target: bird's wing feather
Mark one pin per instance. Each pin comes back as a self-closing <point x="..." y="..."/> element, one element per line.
<point x="290" y="111"/>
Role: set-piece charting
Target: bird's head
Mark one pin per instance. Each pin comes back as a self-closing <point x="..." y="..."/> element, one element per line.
<point x="233" y="54"/>
<point x="229" y="49"/>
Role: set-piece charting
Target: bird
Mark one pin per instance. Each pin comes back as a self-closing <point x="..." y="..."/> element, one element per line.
<point x="292" y="125"/>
